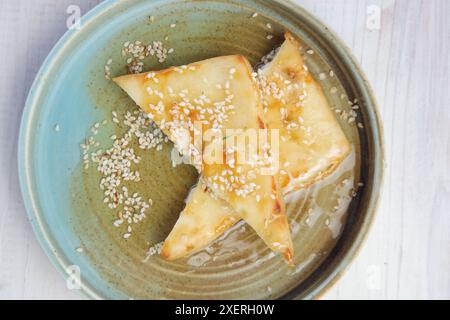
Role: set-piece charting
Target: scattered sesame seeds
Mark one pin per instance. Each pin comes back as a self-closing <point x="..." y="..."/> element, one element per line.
<point x="269" y="26"/>
<point x="173" y="25"/>
<point x="349" y="116"/>
<point x="57" y="128"/>
<point x="310" y="51"/>
<point x="254" y="15"/>
<point x="239" y="179"/>
<point x="269" y="37"/>
<point x="135" y="52"/>
<point x="153" y="250"/>
<point x="107" y="69"/>
<point x="115" y="166"/>
<point x="322" y="76"/>
<point x="79" y="250"/>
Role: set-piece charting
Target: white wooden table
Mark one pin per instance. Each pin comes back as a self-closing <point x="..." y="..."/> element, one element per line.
<point x="407" y="60"/>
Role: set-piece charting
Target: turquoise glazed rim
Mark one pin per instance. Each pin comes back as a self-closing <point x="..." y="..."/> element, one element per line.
<point x="38" y="168"/>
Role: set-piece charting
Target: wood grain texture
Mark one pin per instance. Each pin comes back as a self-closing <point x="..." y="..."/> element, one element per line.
<point x="407" y="60"/>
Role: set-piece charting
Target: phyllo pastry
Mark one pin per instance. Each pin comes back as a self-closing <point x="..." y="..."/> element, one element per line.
<point x="215" y="94"/>
<point x="312" y="146"/>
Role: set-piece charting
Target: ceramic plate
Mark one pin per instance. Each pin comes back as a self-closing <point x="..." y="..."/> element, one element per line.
<point x="71" y="93"/>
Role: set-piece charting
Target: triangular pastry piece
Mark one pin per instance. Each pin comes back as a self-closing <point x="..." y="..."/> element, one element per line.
<point x="252" y="193"/>
<point x="312" y="141"/>
<point x="218" y="93"/>
<point x="312" y="144"/>
<point x="195" y="228"/>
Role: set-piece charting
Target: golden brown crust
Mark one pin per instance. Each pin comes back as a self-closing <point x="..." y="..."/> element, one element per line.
<point x="208" y="78"/>
<point x="304" y="171"/>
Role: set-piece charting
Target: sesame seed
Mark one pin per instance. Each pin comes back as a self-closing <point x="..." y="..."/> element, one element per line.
<point x="173" y="25"/>
<point x="57" y="128"/>
<point x="254" y="15"/>
<point x="310" y="51"/>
